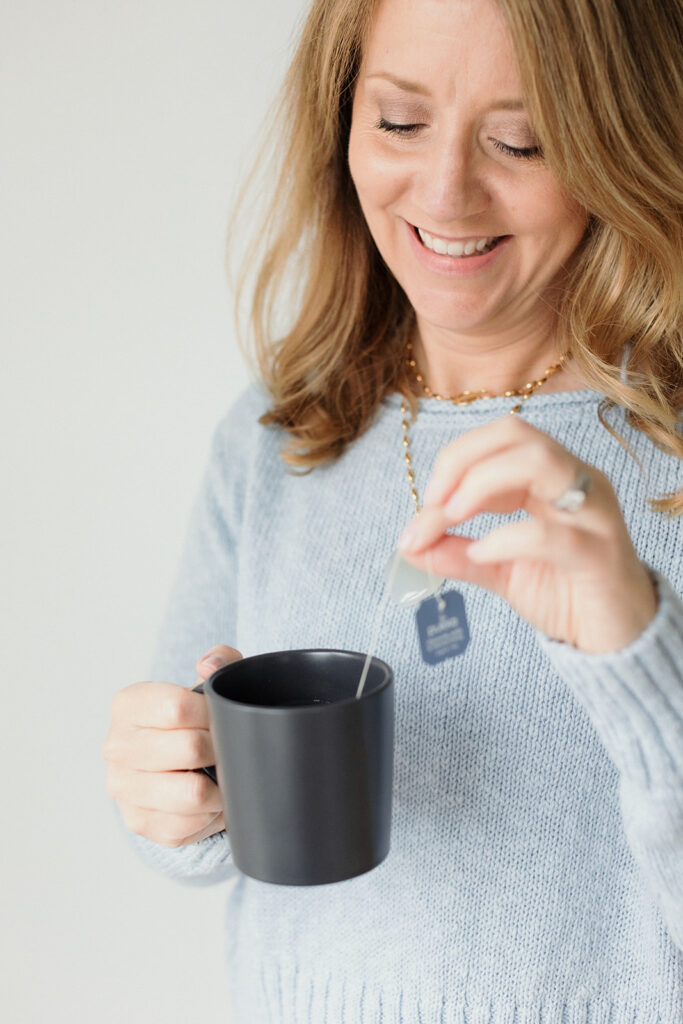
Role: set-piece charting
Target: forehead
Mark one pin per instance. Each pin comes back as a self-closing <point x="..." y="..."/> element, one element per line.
<point x="443" y="44"/>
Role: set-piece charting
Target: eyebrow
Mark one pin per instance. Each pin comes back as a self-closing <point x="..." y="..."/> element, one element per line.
<point x="415" y="87"/>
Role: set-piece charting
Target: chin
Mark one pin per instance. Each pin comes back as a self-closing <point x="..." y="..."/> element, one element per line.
<point x="447" y="315"/>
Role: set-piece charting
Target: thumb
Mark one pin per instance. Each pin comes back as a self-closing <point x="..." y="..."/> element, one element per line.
<point x="216" y="658"/>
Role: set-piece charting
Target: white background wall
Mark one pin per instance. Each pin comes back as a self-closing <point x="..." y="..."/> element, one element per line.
<point x="124" y="128"/>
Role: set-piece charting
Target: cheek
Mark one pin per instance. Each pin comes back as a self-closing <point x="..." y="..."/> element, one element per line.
<point x="576" y="219"/>
<point x="545" y="211"/>
<point x="377" y="178"/>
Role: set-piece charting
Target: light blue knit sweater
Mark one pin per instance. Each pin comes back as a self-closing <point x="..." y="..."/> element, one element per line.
<point x="536" y="867"/>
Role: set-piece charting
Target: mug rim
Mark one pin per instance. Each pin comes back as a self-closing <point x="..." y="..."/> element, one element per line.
<point x="302" y="708"/>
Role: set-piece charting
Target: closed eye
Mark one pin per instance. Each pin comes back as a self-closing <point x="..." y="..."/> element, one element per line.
<point x="526" y="153"/>
<point x="397" y="129"/>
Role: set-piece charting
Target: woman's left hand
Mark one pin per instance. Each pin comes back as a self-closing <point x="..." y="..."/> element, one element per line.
<point x="573" y="575"/>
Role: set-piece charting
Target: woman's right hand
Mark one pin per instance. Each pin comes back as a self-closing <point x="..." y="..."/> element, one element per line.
<point x="159" y="732"/>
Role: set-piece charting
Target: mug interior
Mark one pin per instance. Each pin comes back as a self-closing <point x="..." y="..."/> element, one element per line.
<point x="311" y="678"/>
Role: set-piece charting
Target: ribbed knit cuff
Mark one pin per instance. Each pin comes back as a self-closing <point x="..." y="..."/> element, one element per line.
<point x="204" y="863"/>
<point x="634" y="696"/>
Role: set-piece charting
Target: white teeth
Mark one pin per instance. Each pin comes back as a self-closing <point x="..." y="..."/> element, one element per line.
<point x="454" y="248"/>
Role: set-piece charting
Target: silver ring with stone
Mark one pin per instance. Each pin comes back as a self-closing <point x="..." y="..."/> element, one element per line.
<point x="574" y="497"/>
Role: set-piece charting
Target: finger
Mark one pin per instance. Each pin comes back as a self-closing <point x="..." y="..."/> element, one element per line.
<point x="160" y="750"/>
<point x="214" y="659"/>
<point x="160" y="706"/>
<point x="424" y="530"/>
<point x="170" y="792"/>
<point x="170" y="829"/>
<point x="554" y="543"/>
<point x="531" y="476"/>
<point x="216" y="824"/>
<point x="430" y="523"/>
<point x="453" y="460"/>
<point x="447" y="556"/>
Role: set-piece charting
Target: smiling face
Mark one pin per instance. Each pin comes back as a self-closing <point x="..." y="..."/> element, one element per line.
<point x="445" y="164"/>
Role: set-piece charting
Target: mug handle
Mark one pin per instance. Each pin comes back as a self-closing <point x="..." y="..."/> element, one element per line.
<point x="211" y="770"/>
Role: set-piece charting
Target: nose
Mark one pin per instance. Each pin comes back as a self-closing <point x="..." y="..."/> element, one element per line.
<point x="450" y="188"/>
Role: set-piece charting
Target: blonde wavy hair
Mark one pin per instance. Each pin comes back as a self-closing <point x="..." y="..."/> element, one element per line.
<point x="602" y="81"/>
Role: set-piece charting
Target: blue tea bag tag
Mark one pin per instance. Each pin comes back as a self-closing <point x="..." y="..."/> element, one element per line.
<point x="442" y="627"/>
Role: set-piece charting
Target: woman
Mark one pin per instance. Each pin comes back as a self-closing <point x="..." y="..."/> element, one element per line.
<point x="476" y="195"/>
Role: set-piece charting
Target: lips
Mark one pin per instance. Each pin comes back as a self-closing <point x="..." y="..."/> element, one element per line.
<point x="454" y="266"/>
<point x="460" y="248"/>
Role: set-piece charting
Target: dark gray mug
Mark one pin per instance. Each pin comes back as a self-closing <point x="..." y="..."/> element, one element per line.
<point x="305" y="768"/>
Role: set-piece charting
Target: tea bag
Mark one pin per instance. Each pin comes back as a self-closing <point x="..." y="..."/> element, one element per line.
<point x="440" y="618"/>
<point x="441" y="623"/>
<point x="406" y="584"/>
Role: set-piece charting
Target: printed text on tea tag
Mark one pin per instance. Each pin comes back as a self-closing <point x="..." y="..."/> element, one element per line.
<point x="442" y="627"/>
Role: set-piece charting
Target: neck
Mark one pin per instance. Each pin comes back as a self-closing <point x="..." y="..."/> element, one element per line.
<point x="451" y="365"/>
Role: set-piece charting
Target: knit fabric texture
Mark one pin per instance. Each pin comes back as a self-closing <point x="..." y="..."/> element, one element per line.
<point x="536" y="867"/>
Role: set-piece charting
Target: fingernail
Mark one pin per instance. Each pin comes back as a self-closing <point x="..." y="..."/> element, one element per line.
<point x="408" y="539"/>
<point x="214" y="661"/>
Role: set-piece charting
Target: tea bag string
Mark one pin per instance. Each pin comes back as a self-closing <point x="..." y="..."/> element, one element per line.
<point x="435" y="581"/>
<point x="378" y="625"/>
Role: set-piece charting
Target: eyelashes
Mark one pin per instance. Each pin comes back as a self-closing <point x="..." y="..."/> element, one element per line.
<point x="525" y="153"/>
<point x="406" y="131"/>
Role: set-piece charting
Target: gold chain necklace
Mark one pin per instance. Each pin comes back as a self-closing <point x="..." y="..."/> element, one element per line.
<point x="463" y="398"/>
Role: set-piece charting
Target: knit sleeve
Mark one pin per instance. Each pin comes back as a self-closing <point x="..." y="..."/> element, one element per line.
<point x="634" y="698"/>
<point x="202" y="611"/>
